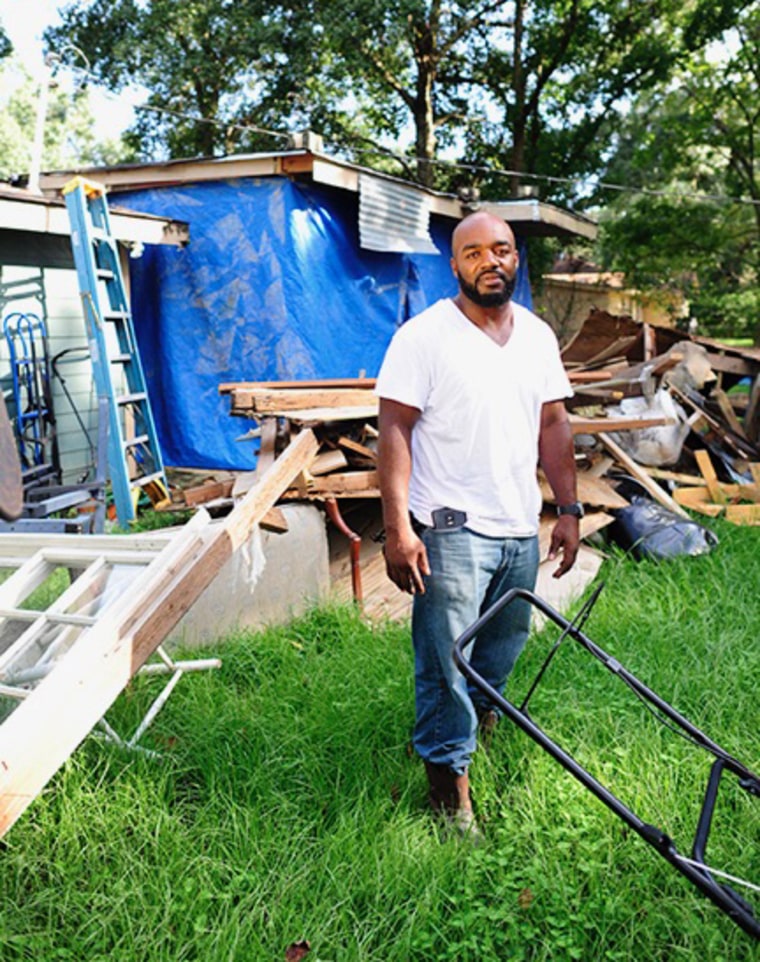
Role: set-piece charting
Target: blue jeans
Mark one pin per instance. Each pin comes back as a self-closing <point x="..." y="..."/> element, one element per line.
<point x="469" y="572"/>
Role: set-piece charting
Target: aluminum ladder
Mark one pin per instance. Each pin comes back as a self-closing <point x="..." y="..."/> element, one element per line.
<point x="134" y="454"/>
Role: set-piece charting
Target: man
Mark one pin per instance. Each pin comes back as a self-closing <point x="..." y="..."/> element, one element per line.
<point x="471" y="398"/>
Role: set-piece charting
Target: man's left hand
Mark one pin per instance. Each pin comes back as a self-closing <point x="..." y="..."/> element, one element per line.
<point x="565" y="541"/>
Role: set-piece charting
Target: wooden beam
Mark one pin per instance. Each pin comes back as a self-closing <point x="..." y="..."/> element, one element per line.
<point x="642" y="477"/>
<point x="51" y="722"/>
<point x="581" y="425"/>
<point x="263" y="401"/>
<point x="707" y="470"/>
<point x="328" y="384"/>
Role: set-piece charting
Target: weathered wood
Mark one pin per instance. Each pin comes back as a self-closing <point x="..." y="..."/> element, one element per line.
<point x="357" y="448"/>
<point x="262" y="401"/>
<point x="743" y="514"/>
<point x="209" y="491"/>
<point x="591" y="491"/>
<point x="581" y="425"/>
<point x="328" y="384"/>
<point x="275" y="520"/>
<point x="707" y="470"/>
<point x="11" y="488"/>
<point x="341" y="484"/>
<point x="642" y="477"/>
<point x="327" y="461"/>
<point x="727" y="410"/>
<point x="58" y="714"/>
<point x="267" y="446"/>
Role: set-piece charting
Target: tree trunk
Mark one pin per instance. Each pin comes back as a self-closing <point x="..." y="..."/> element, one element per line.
<point x="518" y="88"/>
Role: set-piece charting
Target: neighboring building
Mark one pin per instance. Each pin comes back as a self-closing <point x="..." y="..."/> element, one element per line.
<point x="574" y="288"/>
<point x="37" y="277"/>
<point x="299" y="266"/>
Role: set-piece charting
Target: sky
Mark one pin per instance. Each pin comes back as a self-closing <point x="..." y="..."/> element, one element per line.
<point x="24" y="22"/>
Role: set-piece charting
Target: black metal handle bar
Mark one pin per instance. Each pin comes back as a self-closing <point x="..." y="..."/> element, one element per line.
<point x="699" y="874"/>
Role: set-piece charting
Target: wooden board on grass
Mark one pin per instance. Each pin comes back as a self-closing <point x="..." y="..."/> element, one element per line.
<point x="49" y="724"/>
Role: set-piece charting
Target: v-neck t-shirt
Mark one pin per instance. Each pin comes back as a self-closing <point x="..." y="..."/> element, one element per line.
<point x="475" y="444"/>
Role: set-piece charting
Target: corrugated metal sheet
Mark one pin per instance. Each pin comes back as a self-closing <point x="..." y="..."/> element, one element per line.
<point x="393" y="217"/>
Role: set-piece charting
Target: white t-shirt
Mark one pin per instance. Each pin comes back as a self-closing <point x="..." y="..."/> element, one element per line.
<point x="475" y="445"/>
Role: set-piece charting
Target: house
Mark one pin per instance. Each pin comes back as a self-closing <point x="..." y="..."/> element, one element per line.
<point x="574" y="288"/>
<point x="37" y="278"/>
<point x="300" y="266"/>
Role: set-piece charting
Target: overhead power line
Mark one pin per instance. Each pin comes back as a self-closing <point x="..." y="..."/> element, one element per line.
<point x="573" y="181"/>
<point x="405" y="160"/>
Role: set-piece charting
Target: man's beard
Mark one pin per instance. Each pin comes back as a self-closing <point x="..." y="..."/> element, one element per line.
<point x="491" y="298"/>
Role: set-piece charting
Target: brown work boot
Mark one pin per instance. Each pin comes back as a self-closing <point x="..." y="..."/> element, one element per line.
<point x="488" y="722"/>
<point x="449" y="796"/>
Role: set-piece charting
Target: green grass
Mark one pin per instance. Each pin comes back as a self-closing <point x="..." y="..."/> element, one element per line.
<point x="286" y="804"/>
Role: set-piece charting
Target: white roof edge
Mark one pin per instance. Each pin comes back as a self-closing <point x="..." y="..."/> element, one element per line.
<point x="532" y="215"/>
<point x="40" y="215"/>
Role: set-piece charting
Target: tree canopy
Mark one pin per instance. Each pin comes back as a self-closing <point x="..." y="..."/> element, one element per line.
<point x="692" y="152"/>
<point x="487" y="94"/>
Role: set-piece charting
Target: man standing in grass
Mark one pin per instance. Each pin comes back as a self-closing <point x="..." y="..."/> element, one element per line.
<point x="471" y="398"/>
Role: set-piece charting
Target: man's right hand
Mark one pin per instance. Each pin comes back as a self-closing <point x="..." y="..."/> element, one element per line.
<point x="406" y="561"/>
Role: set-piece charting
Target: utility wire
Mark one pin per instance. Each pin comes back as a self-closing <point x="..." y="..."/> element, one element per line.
<point x="405" y="160"/>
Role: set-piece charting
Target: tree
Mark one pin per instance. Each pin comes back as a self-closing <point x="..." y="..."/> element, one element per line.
<point x="6" y="47"/>
<point x="531" y="84"/>
<point x="211" y="67"/>
<point x="691" y="150"/>
<point x="68" y="137"/>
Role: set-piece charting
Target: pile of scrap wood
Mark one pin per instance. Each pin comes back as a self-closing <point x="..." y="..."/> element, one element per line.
<point x="707" y="453"/>
<point x="678" y="414"/>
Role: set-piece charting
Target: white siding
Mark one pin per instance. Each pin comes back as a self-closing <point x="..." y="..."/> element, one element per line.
<point x="62" y="313"/>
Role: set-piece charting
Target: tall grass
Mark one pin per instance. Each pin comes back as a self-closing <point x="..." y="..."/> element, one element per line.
<point x="286" y="804"/>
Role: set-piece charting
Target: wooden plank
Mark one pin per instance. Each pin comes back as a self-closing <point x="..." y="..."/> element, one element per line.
<point x="266" y="455"/>
<point x="743" y="513"/>
<point x="339" y="485"/>
<point x="707" y="470"/>
<point x="203" y="493"/>
<point x="638" y="472"/>
<point x="275" y="520"/>
<point x="356" y="448"/>
<point x="728" y="412"/>
<point x="328" y="383"/>
<point x="591" y="491"/>
<point x="310" y="416"/>
<point x="698" y="499"/>
<point x="262" y="401"/>
<point x="581" y="425"/>
<point x="89" y="679"/>
<point x="327" y="461"/>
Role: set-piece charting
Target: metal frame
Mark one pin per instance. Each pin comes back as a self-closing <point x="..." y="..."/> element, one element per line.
<point x="694" y="868"/>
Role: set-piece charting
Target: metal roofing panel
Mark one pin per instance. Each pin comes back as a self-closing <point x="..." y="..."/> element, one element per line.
<point x="393" y="217"/>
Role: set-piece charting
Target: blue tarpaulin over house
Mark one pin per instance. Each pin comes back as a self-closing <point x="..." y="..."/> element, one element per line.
<point x="273" y="286"/>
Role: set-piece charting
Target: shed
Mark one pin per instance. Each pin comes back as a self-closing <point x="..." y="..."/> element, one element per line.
<point x="37" y="276"/>
<point x="301" y="266"/>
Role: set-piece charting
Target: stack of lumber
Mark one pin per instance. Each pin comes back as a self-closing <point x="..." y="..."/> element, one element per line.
<point x="716" y="388"/>
<point x="610" y="360"/>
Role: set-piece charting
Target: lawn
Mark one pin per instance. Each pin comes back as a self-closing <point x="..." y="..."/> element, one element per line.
<point x="285" y="804"/>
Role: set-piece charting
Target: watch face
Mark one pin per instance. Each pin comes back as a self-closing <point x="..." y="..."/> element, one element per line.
<point x="575" y="509"/>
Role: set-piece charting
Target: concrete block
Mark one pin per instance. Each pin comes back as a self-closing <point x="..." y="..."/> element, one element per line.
<point x="269" y="580"/>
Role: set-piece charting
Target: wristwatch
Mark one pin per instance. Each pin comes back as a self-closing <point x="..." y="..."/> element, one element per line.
<point x="575" y="509"/>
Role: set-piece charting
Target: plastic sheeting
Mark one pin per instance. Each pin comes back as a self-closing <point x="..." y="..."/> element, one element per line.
<point x="273" y="286"/>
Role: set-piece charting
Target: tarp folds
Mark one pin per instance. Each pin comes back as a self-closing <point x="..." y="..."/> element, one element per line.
<point x="273" y="286"/>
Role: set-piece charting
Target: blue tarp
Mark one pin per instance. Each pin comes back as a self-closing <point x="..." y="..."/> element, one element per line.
<point x="273" y="286"/>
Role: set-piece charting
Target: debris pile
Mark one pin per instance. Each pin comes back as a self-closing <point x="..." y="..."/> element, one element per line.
<point x="699" y="447"/>
<point x="657" y="414"/>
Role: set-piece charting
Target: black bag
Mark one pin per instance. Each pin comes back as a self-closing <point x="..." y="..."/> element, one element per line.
<point x="650" y="530"/>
